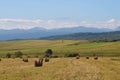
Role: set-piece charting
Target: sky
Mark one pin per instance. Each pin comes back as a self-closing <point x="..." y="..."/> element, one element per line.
<point x="51" y="14"/>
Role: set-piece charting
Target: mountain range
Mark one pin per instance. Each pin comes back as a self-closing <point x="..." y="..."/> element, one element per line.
<point x="40" y="33"/>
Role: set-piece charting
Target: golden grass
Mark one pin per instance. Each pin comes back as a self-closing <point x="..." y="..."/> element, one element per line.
<point x="61" y="69"/>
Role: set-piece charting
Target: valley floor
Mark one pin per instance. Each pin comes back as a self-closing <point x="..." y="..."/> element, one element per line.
<point x="106" y="68"/>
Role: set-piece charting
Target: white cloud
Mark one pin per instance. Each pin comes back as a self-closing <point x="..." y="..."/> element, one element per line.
<point x="54" y="24"/>
<point x="110" y="24"/>
<point x="21" y="21"/>
<point x="111" y="21"/>
<point x="51" y="21"/>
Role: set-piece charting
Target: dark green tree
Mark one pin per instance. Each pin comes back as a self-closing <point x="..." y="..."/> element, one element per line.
<point x="48" y="52"/>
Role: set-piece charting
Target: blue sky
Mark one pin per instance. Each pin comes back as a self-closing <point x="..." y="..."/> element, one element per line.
<point x="59" y="12"/>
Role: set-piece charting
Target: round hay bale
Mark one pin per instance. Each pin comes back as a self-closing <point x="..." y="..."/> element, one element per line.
<point x="46" y="59"/>
<point x="96" y="57"/>
<point x="77" y="57"/>
<point x="38" y="63"/>
<point x="87" y="57"/>
<point x="25" y="60"/>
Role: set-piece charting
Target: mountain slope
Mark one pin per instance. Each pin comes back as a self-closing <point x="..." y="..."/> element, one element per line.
<point x="89" y="36"/>
<point x="36" y="33"/>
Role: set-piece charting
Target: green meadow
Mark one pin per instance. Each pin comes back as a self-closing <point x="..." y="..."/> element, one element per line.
<point x="60" y="47"/>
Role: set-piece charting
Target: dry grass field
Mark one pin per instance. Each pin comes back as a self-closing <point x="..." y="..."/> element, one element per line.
<point x="105" y="68"/>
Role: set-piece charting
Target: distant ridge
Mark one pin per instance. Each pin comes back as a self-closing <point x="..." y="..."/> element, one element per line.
<point x="37" y="33"/>
<point x="106" y="36"/>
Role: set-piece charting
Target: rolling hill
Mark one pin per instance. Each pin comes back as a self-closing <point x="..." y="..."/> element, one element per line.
<point x="60" y="47"/>
<point x="106" y="36"/>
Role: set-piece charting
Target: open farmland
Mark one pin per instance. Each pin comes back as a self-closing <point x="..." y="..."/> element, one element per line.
<point x="106" y="68"/>
<point x="60" y="47"/>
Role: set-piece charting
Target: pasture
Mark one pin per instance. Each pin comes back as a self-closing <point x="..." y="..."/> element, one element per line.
<point x="105" y="68"/>
<point x="60" y="47"/>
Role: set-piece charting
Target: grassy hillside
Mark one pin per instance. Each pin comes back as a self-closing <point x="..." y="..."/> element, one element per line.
<point x="61" y="47"/>
<point x="106" y="36"/>
<point x="61" y="69"/>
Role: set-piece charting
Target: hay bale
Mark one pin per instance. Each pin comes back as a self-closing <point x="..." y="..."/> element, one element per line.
<point x="96" y="57"/>
<point x="38" y="63"/>
<point x="25" y="60"/>
<point x="87" y="57"/>
<point x="77" y="57"/>
<point x="46" y="59"/>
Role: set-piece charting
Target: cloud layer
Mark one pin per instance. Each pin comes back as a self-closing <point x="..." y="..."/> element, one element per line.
<point x="54" y="24"/>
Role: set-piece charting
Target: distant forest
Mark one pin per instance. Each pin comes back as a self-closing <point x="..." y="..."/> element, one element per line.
<point x="103" y="36"/>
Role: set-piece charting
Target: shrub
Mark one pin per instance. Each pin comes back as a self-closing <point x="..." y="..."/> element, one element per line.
<point x="8" y="55"/>
<point x="55" y="56"/>
<point x="72" y="55"/>
<point x="36" y="56"/>
<point x="18" y="54"/>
